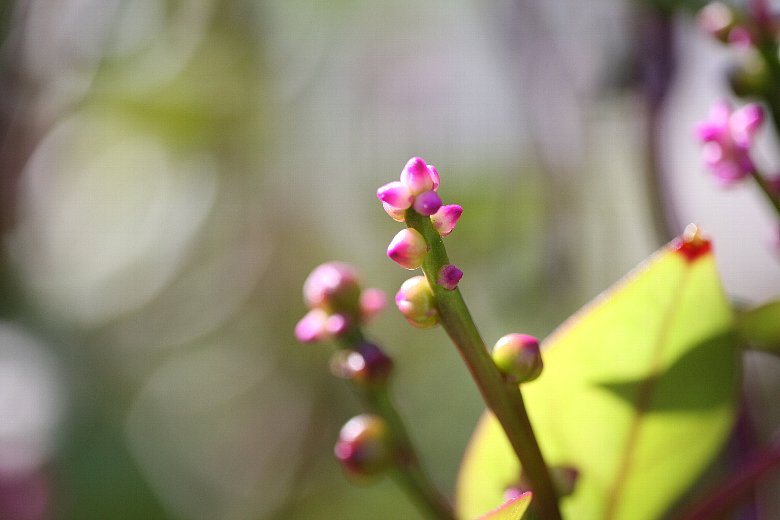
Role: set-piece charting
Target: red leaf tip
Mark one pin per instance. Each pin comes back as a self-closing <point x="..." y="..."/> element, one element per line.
<point x="692" y="244"/>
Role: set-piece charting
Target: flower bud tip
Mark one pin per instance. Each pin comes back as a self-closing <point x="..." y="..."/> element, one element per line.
<point x="445" y="219"/>
<point x="408" y="249"/>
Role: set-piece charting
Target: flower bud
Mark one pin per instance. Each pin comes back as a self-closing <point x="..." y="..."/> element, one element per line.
<point x="395" y="194"/>
<point x="749" y="78"/>
<point x="427" y="203"/>
<point x="416" y="176"/>
<point x="417" y="303"/>
<point x="312" y="327"/>
<point x="408" y="249"/>
<point x="449" y="277"/>
<point x="434" y="176"/>
<point x="717" y="19"/>
<point x="399" y="215"/>
<point x="363" y="448"/>
<point x="445" y="219"/>
<point x="333" y="287"/>
<point x="366" y="365"/>
<point x="372" y="301"/>
<point x="564" y="479"/>
<point x="518" y="358"/>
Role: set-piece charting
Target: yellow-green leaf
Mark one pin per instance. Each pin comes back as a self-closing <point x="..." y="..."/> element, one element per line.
<point x="760" y="327"/>
<point x="513" y="509"/>
<point x="638" y="394"/>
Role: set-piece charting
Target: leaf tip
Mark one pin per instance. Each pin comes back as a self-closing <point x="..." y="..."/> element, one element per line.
<point x="692" y="244"/>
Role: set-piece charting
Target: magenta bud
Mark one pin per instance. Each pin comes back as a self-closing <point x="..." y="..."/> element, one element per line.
<point x="333" y="287"/>
<point x="372" y="301"/>
<point x="396" y="195"/>
<point x="427" y="203"/>
<point x="417" y="303"/>
<point x="363" y="448"/>
<point x="445" y="219"/>
<point x="416" y="176"/>
<point x="518" y="358"/>
<point x="449" y="277"/>
<point x="366" y="365"/>
<point x="399" y="215"/>
<point x="312" y="327"/>
<point x="337" y="324"/>
<point x="408" y="249"/>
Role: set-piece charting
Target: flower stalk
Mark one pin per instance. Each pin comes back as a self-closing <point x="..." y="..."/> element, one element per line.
<point x="502" y="397"/>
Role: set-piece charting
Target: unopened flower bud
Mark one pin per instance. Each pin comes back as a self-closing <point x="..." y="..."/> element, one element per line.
<point x="564" y="479"/>
<point x="337" y="324"/>
<point x="408" y="249"/>
<point x="333" y="287"/>
<point x="449" y="277"/>
<point x="518" y="358"/>
<point x="417" y="303"/>
<point x="748" y="78"/>
<point x="312" y="327"/>
<point x="416" y="176"/>
<point x="363" y="448"/>
<point x="427" y="203"/>
<point x="372" y="301"/>
<point x="445" y="219"/>
<point x="395" y="194"/>
<point x="434" y="176"/>
<point x="717" y="19"/>
<point x="366" y="365"/>
<point x="399" y="215"/>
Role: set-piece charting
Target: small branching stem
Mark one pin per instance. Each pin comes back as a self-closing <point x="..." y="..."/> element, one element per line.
<point x="505" y="400"/>
<point x="406" y="470"/>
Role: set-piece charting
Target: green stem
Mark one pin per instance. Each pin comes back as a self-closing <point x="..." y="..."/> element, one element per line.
<point x="764" y="185"/>
<point x="407" y="470"/>
<point x="409" y="473"/>
<point x="505" y="400"/>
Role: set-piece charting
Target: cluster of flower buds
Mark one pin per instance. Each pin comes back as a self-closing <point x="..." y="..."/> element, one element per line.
<point x="723" y="23"/>
<point x="728" y="137"/>
<point x="366" y="365"/>
<point x="518" y="358"/>
<point x="416" y="191"/>
<point x="363" y="448"/>
<point x="336" y="302"/>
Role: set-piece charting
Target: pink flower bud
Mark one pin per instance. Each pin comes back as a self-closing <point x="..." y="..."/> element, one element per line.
<point x="517" y="356"/>
<point x="434" y="176"/>
<point x="408" y="249"/>
<point x="417" y="303"/>
<point x="396" y="194"/>
<point x="312" y="327"/>
<point x="333" y="287"/>
<point x="399" y="215"/>
<point x="728" y="137"/>
<point x="717" y="19"/>
<point x="449" y="277"/>
<point x="363" y="448"/>
<point x="372" y="301"/>
<point x="366" y="365"/>
<point x="445" y="219"/>
<point x="337" y="324"/>
<point x="416" y="176"/>
<point x="427" y="203"/>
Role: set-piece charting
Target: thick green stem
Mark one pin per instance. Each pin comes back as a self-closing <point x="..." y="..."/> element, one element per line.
<point x="505" y="400"/>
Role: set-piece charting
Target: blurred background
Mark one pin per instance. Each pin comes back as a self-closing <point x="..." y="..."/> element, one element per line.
<point x="171" y="170"/>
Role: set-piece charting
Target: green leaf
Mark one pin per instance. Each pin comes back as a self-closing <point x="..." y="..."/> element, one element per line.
<point x="638" y="393"/>
<point x="760" y="327"/>
<point x="513" y="509"/>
